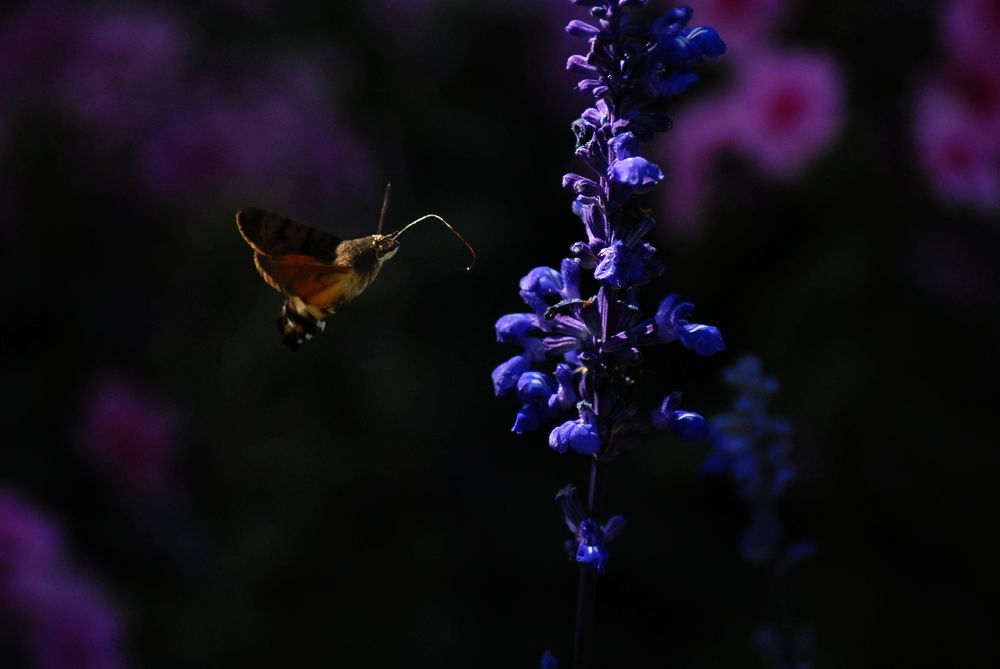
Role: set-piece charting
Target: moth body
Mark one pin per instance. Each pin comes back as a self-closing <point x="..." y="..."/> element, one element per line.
<point x="317" y="272"/>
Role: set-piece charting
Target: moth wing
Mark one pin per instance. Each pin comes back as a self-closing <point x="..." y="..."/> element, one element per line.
<point x="270" y="234"/>
<point x="316" y="283"/>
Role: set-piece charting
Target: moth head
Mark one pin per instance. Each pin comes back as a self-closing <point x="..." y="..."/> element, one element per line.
<point x="385" y="246"/>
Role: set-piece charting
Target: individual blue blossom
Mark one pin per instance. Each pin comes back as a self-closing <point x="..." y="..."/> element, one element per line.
<point x="579" y="435"/>
<point x="671" y="325"/>
<point x="591" y="552"/>
<point x="630" y="169"/>
<point x="687" y="425"/>
<point x="548" y="661"/>
<point x="621" y="266"/>
<point x="688" y="47"/>
<point x="533" y="389"/>
<point x="506" y="374"/>
<point x="565" y="397"/>
<point x="589" y="545"/>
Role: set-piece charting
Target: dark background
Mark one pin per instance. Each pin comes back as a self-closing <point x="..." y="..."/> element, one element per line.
<point x="362" y="503"/>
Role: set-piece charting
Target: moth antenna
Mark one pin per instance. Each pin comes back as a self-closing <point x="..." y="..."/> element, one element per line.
<point x="385" y="207"/>
<point x="448" y="225"/>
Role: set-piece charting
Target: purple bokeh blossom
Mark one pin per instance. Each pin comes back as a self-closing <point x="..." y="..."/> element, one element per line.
<point x="112" y="71"/>
<point x="124" y="68"/>
<point x="126" y="78"/>
<point x="28" y="539"/>
<point x="62" y="620"/>
<point x="272" y="138"/>
<point x="131" y="438"/>
<point x="71" y="625"/>
<point x="35" y="47"/>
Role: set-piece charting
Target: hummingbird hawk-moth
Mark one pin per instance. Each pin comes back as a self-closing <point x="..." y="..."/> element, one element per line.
<point x="319" y="273"/>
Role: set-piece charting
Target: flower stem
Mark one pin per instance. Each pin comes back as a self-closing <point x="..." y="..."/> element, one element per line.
<point x="587" y="589"/>
<point x="787" y="643"/>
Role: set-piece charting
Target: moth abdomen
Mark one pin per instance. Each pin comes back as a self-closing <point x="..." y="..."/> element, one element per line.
<point x="296" y="327"/>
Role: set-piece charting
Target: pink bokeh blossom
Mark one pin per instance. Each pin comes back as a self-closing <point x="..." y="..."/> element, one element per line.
<point x="970" y="32"/>
<point x="959" y="149"/>
<point x="781" y="111"/>
<point x="790" y="109"/>
<point x="130" y="437"/>
<point x="956" y="116"/>
<point x="704" y="130"/>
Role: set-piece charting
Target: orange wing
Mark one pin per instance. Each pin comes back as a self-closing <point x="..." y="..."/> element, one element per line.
<point x="319" y="284"/>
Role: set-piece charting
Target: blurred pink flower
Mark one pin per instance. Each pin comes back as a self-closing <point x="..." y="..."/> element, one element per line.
<point x="956" y="119"/>
<point x="959" y="149"/>
<point x="790" y="108"/>
<point x="272" y="140"/>
<point x="971" y="31"/>
<point x="703" y="131"/>
<point x="131" y="438"/>
<point x="742" y="23"/>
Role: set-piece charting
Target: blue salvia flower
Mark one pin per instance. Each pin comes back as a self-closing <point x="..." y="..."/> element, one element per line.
<point x="583" y="334"/>
<point x="753" y="449"/>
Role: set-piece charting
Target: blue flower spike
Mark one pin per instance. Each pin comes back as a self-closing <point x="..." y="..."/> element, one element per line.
<point x="584" y="332"/>
<point x="753" y="448"/>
